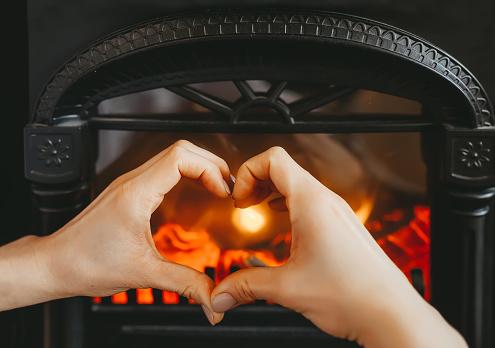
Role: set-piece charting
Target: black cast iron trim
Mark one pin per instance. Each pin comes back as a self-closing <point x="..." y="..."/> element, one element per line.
<point x="281" y="23"/>
<point x="225" y="331"/>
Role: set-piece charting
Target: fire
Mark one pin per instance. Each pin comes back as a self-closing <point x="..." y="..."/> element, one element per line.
<point x="248" y="220"/>
<point x="191" y="248"/>
<point x="364" y="211"/>
<point x="407" y="245"/>
<point x="197" y="250"/>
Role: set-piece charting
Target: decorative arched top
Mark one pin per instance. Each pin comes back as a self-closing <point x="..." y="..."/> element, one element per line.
<point x="312" y="26"/>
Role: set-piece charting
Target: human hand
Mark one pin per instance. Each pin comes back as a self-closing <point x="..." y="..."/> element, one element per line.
<point x="337" y="276"/>
<point x="108" y="248"/>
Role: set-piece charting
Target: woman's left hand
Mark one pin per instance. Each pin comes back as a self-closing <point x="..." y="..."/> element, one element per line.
<point x="108" y="248"/>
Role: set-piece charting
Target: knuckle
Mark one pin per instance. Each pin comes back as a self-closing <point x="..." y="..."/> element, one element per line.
<point x="117" y="182"/>
<point x="277" y="151"/>
<point x="192" y="288"/>
<point x="339" y="201"/>
<point x="187" y="291"/>
<point x="181" y="143"/>
<point x="127" y="187"/>
<point x="244" y="291"/>
<point x="121" y="187"/>
<point x="176" y="152"/>
<point x="223" y="164"/>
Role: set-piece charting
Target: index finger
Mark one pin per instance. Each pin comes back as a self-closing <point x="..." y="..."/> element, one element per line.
<point x="162" y="175"/>
<point x="274" y="165"/>
<point x="222" y="165"/>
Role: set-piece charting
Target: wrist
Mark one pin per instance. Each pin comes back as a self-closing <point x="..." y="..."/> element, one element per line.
<point x="51" y="268"/>
<point x="25" y="278"/>
<point x="402" y="318"/>
<point x="56" y="266"/>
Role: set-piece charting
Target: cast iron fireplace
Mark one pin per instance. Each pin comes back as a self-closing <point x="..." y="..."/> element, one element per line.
<point x="327" y="57"/>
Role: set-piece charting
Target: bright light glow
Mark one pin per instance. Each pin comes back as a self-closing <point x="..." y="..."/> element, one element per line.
<point x="364" y="210"/>
<point x="248" y="220"/>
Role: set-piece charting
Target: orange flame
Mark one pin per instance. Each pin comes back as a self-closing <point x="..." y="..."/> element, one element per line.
<point x="197" y="250"/>
<point x="408" y="247"/>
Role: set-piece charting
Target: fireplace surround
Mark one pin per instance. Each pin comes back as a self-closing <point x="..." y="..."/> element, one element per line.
<point x="341" y="54"/>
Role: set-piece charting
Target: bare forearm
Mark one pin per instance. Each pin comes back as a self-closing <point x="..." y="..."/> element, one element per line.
<point x="24" y="278"/>
<point x="410" y="323"/>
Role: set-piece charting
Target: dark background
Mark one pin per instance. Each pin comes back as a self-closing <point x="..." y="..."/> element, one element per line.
<point x="59" y="28"/>
<point x="15" y="196"/>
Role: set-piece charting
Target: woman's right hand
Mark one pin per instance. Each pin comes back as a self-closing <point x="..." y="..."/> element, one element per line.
<point x="337" y="276"/>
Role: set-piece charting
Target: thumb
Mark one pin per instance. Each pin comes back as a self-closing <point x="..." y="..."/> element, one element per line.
<point x="186" y="282"/>
<point x="257" y="283"/>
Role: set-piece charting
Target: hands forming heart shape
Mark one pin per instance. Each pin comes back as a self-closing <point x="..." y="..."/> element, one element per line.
<point x="336" y="275"/>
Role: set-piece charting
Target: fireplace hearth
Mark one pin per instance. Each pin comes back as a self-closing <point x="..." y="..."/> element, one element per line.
<point x="410" y="130"/>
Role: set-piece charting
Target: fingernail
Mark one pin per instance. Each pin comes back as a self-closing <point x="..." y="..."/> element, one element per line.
<point x="226" y="187"/>
<point x="223" y="302"/>
<point x="209" y="314"/>
<point x="232" y="183"/>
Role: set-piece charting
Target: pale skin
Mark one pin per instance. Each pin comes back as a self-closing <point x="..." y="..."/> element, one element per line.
<point x="336" y="276"/>
<point x="108" y="248"/>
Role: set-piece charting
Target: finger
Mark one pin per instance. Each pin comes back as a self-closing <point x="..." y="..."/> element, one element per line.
<point x="187" y="282"/>
<point x="224" y="168"/>
<point x="165" y="173"/>
<point x="146" y="165"/>
<point x="257" y="283"/>
<point x="220" y="162"/>
<point x="194" y="166"/>
<point x="257" y="196"/>
<point x="274" y="166"/>
<point x="278" y="204"/>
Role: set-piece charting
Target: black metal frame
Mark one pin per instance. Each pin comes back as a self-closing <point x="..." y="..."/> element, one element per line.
<point x="457" y="123"/>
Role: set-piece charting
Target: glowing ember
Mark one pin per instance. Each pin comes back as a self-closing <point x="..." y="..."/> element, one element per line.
<point x="407" y="245"/>
<point x="144" y="296"/>
<point x="248" y="220"/>
<point x="191" y="248"/>
<point x="197" y="250"/>
<point x="120" y="298"/>
<point x="170" y="297"/>
<point x="364" y="210"/>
